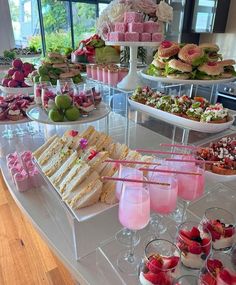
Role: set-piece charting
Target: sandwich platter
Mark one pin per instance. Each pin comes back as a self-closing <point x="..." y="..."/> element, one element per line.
<point x="184" y="81"/>
<point x="36" y="113"/>
<point x="183" y="122"/>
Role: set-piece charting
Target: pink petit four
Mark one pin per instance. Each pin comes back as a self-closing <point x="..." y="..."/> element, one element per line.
<point x="35" y="178"/>
<point x="16" y="169"/>
<point x="135" y="27"/>
<point x="145" y="37"/>
<point x="131" y="17"/>
<point x="157" y="37"/>
<point x="21" y="181"/>
<point x="121" y="27"/>
<point x="12" y="156"/>
<point x="116" y="37"/>
<point x="131" y="37"/>
<point x="150" y="27"/>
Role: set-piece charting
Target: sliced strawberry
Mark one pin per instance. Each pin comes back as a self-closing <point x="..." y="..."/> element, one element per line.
<point x="226" y="277"/>
<point x="208" y="279"/>
<point x="152" y="277"/>
<point x="170" y="262"/>
<point x="195" y="233"/>
<point x="186" y="234"/>
<point x="195" y="248"/>
<point x="213" y="264"/>
<point x="73" y="133"/>
<point x="206" y="245"/>
<point x="154" y="265"/>
<point x="229" y="231"/>
<point x="215" y="235"/>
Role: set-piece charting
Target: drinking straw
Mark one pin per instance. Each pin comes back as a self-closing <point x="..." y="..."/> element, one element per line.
<point x="134" y="180"/>
<point x="132" y="162"/>
<point x="169" y="171"/>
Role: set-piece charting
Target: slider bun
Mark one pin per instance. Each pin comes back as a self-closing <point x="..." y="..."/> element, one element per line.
<point x="226" y="62"/>
<point x="190" y="52"/>
<point x="180" y="65"/>
<point x="211" y="68"/>
<point x="209" y="47"/>
<point x="59" y="65"/>
<point x="167" y="49"/>
<point x="179" y="76"/>
<point x="55" y="55"/>
<point x="226" y="75"/>
<point x="158" y="63"/>
<point x="67" y="75"/>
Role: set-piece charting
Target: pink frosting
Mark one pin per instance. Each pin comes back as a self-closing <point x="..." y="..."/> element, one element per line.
<point x="21" y="180"/>
<point x="15" y="170"/>
<point x="12" y="156"/>
<point x="26" y="155"/>
<point x="29" y="165"/>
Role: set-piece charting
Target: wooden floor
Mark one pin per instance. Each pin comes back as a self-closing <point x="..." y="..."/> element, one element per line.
<point x="25" y="259"/>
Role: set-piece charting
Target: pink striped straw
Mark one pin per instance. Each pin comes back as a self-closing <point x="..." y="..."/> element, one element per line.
<point x="178" y="145"/>
<point x="169" y="171"/>
<point x="134" y="180"/>
<point x="131" y="162"/>
<point x="160" y="151"/>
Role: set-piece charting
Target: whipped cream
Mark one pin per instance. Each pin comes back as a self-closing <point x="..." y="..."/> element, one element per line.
<point x="223" y="242"/>
<point x="14" y="112"/>
<point x="87" y="109"/>
<point x="143" y="280"/>
<point x="192" y="260"/>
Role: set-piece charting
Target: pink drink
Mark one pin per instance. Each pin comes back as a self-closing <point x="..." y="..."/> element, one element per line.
<point x="134" y="207"/>
<point x="191" y="187"/>
<point x="88" y="70"/>
<point x="163" y="198"/>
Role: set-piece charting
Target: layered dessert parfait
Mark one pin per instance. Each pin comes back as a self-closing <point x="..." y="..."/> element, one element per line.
<point x="194" y="244"/>
<point x="159" y="269"/>
<point x="222" y="234"/>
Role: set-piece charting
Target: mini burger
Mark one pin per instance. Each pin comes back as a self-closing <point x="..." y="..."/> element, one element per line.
<point x="228" y="69"/>
<point x="55" y="57"/>
<point x="211" y="50"/>
<point x="167" y="50"/>
<point x="156" y="68"/>
<point x="177" y="69"/>
<point x="192" y="54"/>
<point x="208" y="71"/>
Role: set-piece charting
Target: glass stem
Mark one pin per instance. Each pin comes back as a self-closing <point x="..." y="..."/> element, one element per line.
<point x="185" y="206"/>
<point x="130" y="257"/>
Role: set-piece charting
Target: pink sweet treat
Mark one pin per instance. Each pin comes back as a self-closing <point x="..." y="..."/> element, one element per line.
<point x="157" y="37"/>
<point x="29" y="165"/>
<point x="122" y="73"/>
<point x="145" y="37"/>
<point x="26" y="156"/>
<point x="150" y="27"/>
<point x="113" y="77"/>
<point x="88" y="71"/>
<point x="94" y="71"/>
<point x="135" y="27"/>
<point x="130" y="17"/>
<point x="99" y="72"/>
<point x="12" y="156"/>
<point x="21" y="181"/>
<point x="116" y="37"/>
<point x="131" y="37"/>
<point x="16" y="169"/>
<point x="35" y="178"/>
<point x="13" y="163"/>
<point x="121" y="27"/>
<point x="105" y="75"/>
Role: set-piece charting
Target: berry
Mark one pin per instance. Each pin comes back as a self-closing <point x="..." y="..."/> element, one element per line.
<point x="17" y="63"/>
<point x="154" y="265"/>
<point x="18" y="76"/>
<point x="73" y="133"/>
<point x="152" y="277"/>
<point x="170" y="262"/>
<point x="229" y="231"/>
<point x="195" y="233"/>
<point x="209" y="279"/>
<point x="5" y="81"/>
<point x="226" y="277"/>
<point x="215" y="235"/>
<point x="213" y="264"/>
<point x="195" y="248"/>
<point x="206" y="245"/>
<point x="12" y="83"/>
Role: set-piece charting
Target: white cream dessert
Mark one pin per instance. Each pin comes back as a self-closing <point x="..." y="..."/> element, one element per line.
<point x="223" y="242"/>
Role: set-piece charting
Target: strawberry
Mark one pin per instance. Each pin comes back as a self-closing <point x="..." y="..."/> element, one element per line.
<point x="209" y="279"/>
<point x="206" y="245"/>
<point x="195" y="248"/>
<point x="229" y="231"/>
<point x="170" y="262"/>
<point x="73" y="133"/>
<point x="154" y="265"/>
<point x="152" y="277"/>
<point x="213" y="264"/>
<point x="195" y="233"/>
<point x="215" y="235"/>
<point x="226" y="277"/>
<point x="184" y="233"/>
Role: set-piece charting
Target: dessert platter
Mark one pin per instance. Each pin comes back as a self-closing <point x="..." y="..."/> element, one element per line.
<point x="189" y="64"/>
<point x="196" y="114"/>
<point x="223" y="153"/>
<point x="14" y="81"/>
<point x="74" y="165"/>
<point x="13" y="109"/>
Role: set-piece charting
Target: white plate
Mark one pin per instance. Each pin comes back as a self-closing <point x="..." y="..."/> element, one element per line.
<point x="182" y="122"/>
<point x="17" y="90"/>
<point x="184" y="81"/>
<point x="36" y="113"/>
<point x="10" y="122"/>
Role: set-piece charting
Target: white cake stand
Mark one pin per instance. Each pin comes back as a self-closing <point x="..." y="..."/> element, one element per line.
<point x="132" y="80"/>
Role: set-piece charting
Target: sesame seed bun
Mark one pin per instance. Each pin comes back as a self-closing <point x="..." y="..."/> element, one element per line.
<point x="209" y="47"/>
<point x="211" y="68"/>
<point x="167" y="49"/>
<point x="226" y="62"/>
<point x="180" y="65"/>
<point x="190" y="52"/>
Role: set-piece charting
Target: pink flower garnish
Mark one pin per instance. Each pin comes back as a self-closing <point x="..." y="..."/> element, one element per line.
<point x="83" y="143"/>
<point x="93" y="153"/>
<point x="73" y="133"/>
<point x="166" y="44"/>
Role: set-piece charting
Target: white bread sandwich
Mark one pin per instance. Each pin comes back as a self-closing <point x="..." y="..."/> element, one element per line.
<point x="98" y="159"/>
<point x="43" y="147"/>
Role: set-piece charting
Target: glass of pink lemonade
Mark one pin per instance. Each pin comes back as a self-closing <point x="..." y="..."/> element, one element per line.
<point x="134" y="214"/>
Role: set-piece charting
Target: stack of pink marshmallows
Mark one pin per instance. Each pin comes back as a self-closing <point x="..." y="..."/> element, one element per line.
<point x="24" y="172"/>
<point x="133" y="29"/>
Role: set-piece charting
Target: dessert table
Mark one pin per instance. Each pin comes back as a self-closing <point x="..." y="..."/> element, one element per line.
<point x="50" y="217"/>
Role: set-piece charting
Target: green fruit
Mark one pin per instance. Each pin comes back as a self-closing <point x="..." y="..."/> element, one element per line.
<point x="72" y="114"/>
<point x="63" y="101"/>
<point x="44" y="78"/>
<point x="36" y="79"/>
<point x="42" y="70"/>
<point x="55" y="115"/>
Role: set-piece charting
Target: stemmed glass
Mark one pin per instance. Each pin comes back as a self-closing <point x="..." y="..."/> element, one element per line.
<point x="66" y="86"/>
<point x="84" y="99"/>
<point x="189" y="280"/>
<point x="160" y="264"/>
<point x="134" y="214"/>
<point x="124" y="235"/>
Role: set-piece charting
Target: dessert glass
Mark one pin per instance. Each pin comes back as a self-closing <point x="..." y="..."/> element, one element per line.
<point x="189" y="280"/>
<point x="221" y="225"/>
<point x="38" y="87"/>
<point x="160" y="263"/>
<point x="66" y="86"/>
<point x="113" y="77"/>
<point x="194" y="244"/>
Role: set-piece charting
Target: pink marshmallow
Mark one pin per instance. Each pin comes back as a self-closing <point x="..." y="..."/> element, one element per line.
<point x="13" y="163"/>
<point x="26" y="155"/>
<point x="116" y="37"/>
<point x="135" y="27"/>
<point x="121" y="27"/>
<point x="21" y="181"/>
<point x="16" y="169"/>
<point x="150" y="27"/>
<point x="157" y="37"/>
<point x="131" y="17"/>
<point x="12" y="156"/>
<point x="35" y="178"/>
<point x="131" y="37"/>
<point x="145" y="37"/>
